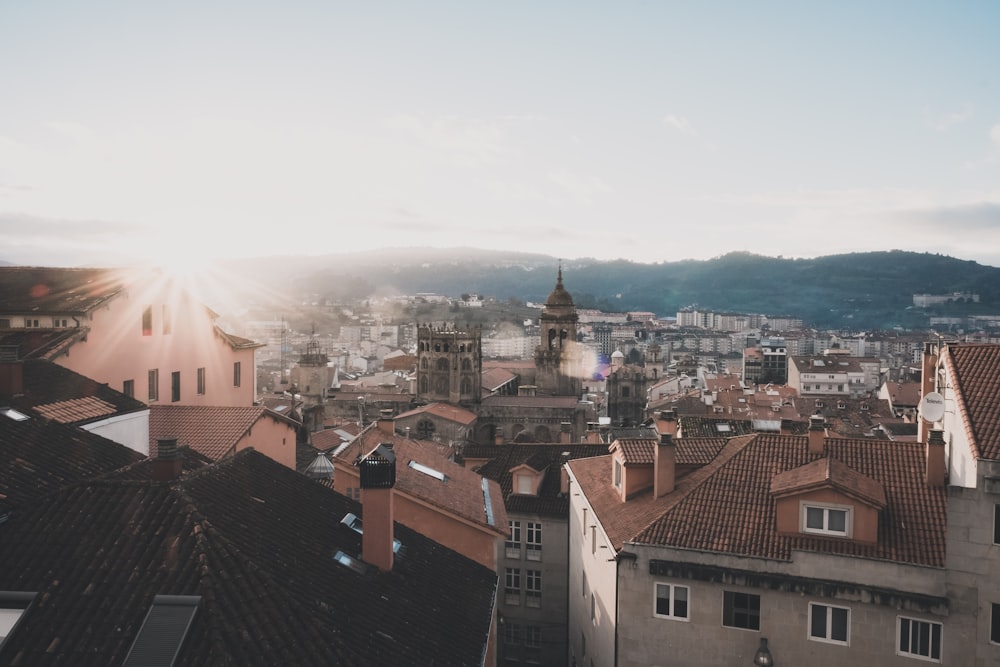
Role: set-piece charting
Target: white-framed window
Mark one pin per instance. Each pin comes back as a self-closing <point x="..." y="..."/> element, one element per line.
<point x="618" y="474"/>
<point x="201" y="381"/>
<point x="829" y="624"/>
<point x="154" y="384"/>
<point x="826" y="519"/>
<point x="533" y="543"/>
<point x="513" y="544"/>
<point x="741" y="610"/>
<point x="670" y="601"/>
<point x="512" y="586"/>
<point x="918" y="639"/>
<point x="533" y="588"/>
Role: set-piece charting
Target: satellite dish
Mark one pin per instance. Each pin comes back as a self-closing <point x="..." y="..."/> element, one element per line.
<point x="932" y="407"/>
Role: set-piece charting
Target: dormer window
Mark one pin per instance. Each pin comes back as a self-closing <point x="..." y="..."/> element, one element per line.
<point x="826" y="520"/>
<point x="618" y="474"/>
<point x="525" y="484"/>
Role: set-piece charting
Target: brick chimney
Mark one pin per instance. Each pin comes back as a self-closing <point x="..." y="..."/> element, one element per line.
<point x="936" y="469"/>
<point x="817" y="434"/>
<point x="11" y="379"/>
<point x="565" y="433"/>
<point x="664" y="466"/>
<point x="786" y="426"/>
<point x="378" y="476"/>
<point x="669" y="419"/>
<point x="385" y="422"/>
<point x="168" y="462"/>
<point x="498" y="436"/>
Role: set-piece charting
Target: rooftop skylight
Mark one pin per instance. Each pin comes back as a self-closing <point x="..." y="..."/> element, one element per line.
<point x="436" y="474"/>
<point x="350" y="563"/>
<point x="11" y="413"/>
<point x="355" y="523"/>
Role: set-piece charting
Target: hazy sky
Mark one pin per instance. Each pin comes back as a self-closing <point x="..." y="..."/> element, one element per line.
<point x="654" y="131"/>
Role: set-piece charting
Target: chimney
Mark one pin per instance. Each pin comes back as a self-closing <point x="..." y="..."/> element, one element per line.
<point x="786" y="426"/>
<point x="928" y="366"/>
<point x="385" y="423"/>
<point x="563" y="473"/>
<point x="817" y="434"/>
<point x="11" y="379"/>
<point x="378" y="475"/>
<point x="565" y="433"/>
<point x="664" y="466"/>
<point x="498" y="436"/>
<point x="936" y="472"/>
<point x="669" y="419"/>
<point x="168" y="462"/>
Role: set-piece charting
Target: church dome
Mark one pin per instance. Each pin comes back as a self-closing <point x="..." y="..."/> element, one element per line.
<point x="559" y="296"/>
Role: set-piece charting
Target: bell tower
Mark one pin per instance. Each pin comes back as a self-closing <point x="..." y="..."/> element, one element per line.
<point x="558" y="357"/>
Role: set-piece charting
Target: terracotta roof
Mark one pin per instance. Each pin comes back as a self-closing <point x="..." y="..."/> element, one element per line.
<point x="462" y="492"/>
<point x="976" y="373"/>
<point x="904" y="394"/>
<point x="76" y="410"/>
<point x="211" y="430"/>
<point x="911" y="527"/>
<point x="530" y="401"/>
<point x="38" y="457"/>
<point x="256" y="542"/>
<point x="492" y="379"/>
<point x="503" y="459"/>
<point x="636" y="451"/>
<point x="828" y="472"/>
<point x="444" y="411"/>
<point x="57" y="290"/>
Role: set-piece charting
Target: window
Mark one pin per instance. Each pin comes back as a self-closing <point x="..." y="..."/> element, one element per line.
<point x="921" y="639"/>
<point x="532" y="643"/>
<point x="13" y="605"/>
<point x="533" y="588"/>
<point x="512" y="586"/>
<point x="128" y="388"/>
<point x="147" y="321"/>
<point x="741" y="610"/>
<point x="514" y="542"/>
<point x="175" y="386"/>
<point x="525" y="485"/>
<point x="583" y="583"/>
<point x="825" y="520"/>
<point x="533" y="545"/>
<point x="996" y="524"/>
<point x="618" y="474"/>
<point x="511" y="634"/>
<point x="167" y="325"/>
<point x="829" y="624"/>
<point x="30" y="323"/>
<point x="236" y="373"/>
<point x="154" y="384"/>
<point x="593" y="608"/>
<point x="201" y="381"/>
<point x="626" y="392"/>
<point x="671" y="601"/>
<point x="995" y="623"/>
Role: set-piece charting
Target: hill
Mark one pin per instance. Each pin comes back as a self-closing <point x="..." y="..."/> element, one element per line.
<point x="855" y="291"/>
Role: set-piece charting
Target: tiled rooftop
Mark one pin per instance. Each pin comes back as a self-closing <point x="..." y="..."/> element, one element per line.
<point x="444" y="411"/>
<point x="57" y="290"/>
<point x="700" y="513"/>
<point x="256" y="542"/>
<point x="461" y="494"/>
<point x="64" y="395"/>
<point x="210" y="430"/>
<point x="38" y="457"/>
<point x="976" y="370"/>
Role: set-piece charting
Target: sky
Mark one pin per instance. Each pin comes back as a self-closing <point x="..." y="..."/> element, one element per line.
<point x="172" y="132"/>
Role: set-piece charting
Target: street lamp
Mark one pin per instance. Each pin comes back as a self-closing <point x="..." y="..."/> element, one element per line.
<point x="762" y="658"/>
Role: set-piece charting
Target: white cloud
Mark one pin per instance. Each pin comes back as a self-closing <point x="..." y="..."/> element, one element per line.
<point x="949" y="120"/>
<point x="681" y="124"/>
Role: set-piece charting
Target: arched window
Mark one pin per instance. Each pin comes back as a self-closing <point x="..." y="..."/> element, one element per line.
<point x="441" y="364"/>
<point x="437" y="347"/>
<point x="552" y="338"/>
<point x="441" y="385"/>
<point x="423" y="385"/>
<point x="425" y="429"/>
<point x="466" y="386"/>
<point x="466" y="365"/>
<point x="423" y="363"/>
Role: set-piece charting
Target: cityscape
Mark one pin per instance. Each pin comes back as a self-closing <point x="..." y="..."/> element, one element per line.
<point x="520" y="334"/>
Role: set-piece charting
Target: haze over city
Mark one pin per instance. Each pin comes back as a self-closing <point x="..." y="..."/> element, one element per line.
<point x="649" y="131"/>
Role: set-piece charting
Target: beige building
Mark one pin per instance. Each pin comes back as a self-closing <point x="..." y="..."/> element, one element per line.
<point x="834" y="375"/>
<point x="695" y="551"/>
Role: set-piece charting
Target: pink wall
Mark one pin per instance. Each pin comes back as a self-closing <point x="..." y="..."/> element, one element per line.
<point x="182" y="338"/>
<point x="272" y="438"/>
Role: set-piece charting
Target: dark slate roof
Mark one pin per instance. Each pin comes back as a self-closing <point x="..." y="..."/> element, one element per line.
<point x="256" y="542"/>
<point x="549" y="458"/>
<point x="58" y="393"/>
<point x="976" y="369"/>
<point x="57" y="290"/>
<point x="38" y="457"/>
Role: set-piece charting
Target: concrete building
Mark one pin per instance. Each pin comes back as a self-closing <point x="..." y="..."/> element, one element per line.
<point x="698" y="552"/>
<point x="834" y="375"/>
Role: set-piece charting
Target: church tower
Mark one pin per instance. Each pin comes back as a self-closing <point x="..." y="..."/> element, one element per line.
<point x="558" y="357"/>
<point x="449" y="364"/>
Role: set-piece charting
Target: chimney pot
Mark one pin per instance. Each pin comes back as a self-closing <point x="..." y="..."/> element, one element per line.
<point x="168" y="462"/>
<point x="817" y="434"/>
<point x="936" y="470"/>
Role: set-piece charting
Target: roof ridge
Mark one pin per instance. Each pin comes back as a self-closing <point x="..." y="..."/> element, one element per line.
<point x="960" y="399"/>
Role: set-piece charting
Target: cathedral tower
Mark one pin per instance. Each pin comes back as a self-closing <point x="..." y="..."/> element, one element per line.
<point x="449" y="364"/>
<point x="558" y="357"/>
